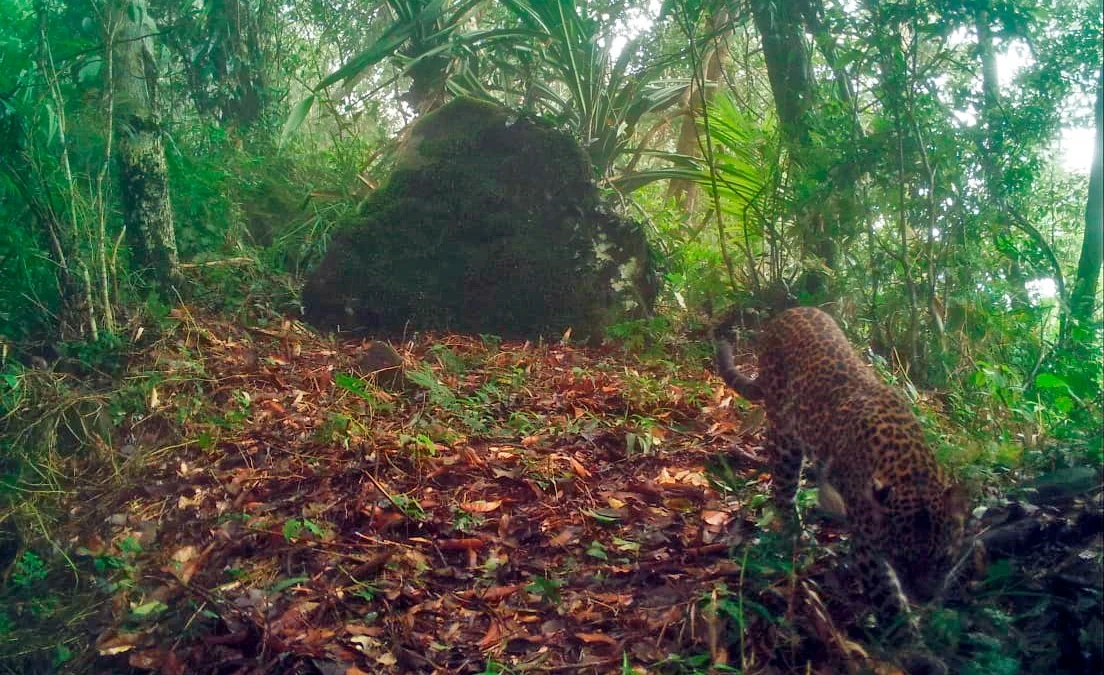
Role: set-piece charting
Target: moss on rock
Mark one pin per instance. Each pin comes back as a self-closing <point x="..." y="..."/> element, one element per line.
<point x="489" y="223"/>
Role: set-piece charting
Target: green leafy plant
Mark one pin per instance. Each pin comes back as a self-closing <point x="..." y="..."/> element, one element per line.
<point x="638" y="335"/>
<point x="295" y="527"/>
<point x="357" y="386"/>
<point x="409" y="507"/>
<point x="366" y="592"/>
<point x="465" y="522"/>
<point x="608" y="94"/>
<point x="118" y="568"/>
<point x="453" y="363"/>
<point x="493" y="667"/>
<point x="547" y="589"/>
<point x="439" y="393"/>
<point x="597" y="549"/>
<point x="335" y="429"/>
<point x="420" y="444"/>
<point x="29" y="570"/>
<point x="148" y="611"/>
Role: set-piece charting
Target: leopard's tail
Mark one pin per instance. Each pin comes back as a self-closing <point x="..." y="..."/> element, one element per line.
<point x="740" y="383"/>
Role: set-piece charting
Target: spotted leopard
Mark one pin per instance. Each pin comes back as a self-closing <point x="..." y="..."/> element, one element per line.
<point x="826" y="406"/>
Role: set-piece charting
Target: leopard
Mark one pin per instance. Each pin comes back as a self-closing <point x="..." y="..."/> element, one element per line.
<point x="827" y="407"/>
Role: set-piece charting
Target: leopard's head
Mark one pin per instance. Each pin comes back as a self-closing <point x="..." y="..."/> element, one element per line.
<point x="926" y="533"/>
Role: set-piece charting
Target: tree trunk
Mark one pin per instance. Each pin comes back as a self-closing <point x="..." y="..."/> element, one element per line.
<point x="685" y="192"/>
<point x="143" y="176"/>
<point x="236" y="60"/>
<point x="991" y="147"/>
<point x="789" y="69"/>
<point x="1083" y="298"/>
<point x="813" y="11"/>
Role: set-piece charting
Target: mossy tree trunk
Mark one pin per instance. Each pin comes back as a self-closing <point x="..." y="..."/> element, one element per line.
<point x="143" y="175"/>
<point x="782" y="31"/>
<point x="1084" y="297"/>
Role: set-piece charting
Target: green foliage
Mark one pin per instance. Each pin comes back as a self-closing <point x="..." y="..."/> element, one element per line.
<point x="115" y="567"/>
<point x="569" y="70"/>
<point x="597" y="550"/>
<point x="638" y="335"/>
<point x="939" y="218"/>
<point x="419" y="445"/>
<point x="493" y="667"/>
<point x="465" y="522"/>
<point x="104" y="354"/>
<point x="27" y="295"/>
<point x="608" y="93"/>
<point x="439" y="394"/>
<point x="409" y="507"/>
<point x="453" y="363"/>
<point x="548" y="589"/>
<point x="294" y="528"/>
<point x="12" y="390"/>
<point x="364" y="391"/>
<point x="29" y="570"/>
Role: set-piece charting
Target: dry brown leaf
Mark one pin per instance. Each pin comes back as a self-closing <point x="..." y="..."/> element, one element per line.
<point x="715" y="518"/>
<point x="563" y="538"/>
<point x="499" y="592"/>
<point x="192" y="561"/>
<point x="118" y="644"/>
<point x="592" y="638"/>
<point x="479" y="506"/>
<point x="491" y="637"/>
<point x="363" y="643"/>
<point x="184" y="554"/>
<point x="721" y="428"/>
<point x="679" y="504"/>
<point x="578" y="468"/>
<point x="615" y="599"/>
<point x="147" y="659"/>
<point x="274" y="406"/>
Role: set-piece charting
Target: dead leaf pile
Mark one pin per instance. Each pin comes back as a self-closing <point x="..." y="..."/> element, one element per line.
<point x="546" y="508"/>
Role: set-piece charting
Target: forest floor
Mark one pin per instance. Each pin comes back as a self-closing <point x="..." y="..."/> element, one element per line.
<point x="493" y="507"/>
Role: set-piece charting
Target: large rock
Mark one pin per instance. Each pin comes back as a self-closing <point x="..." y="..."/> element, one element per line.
<point x="488" y="224"/>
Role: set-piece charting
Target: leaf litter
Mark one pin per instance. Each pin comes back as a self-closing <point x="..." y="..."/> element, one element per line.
<point x="525" y="507"/>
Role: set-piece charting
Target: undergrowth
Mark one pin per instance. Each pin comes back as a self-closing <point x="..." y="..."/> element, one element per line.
<point x="94" y="422"/>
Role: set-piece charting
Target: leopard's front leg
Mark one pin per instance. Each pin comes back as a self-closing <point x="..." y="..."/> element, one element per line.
<point x="884" y="592"/>
<point x="786" y="459"/>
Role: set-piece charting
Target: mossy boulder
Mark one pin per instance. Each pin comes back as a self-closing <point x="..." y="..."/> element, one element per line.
<point x="489" y="223"/>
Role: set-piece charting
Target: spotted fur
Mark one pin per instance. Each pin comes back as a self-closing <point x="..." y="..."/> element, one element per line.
<point x="825" y="405"/>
